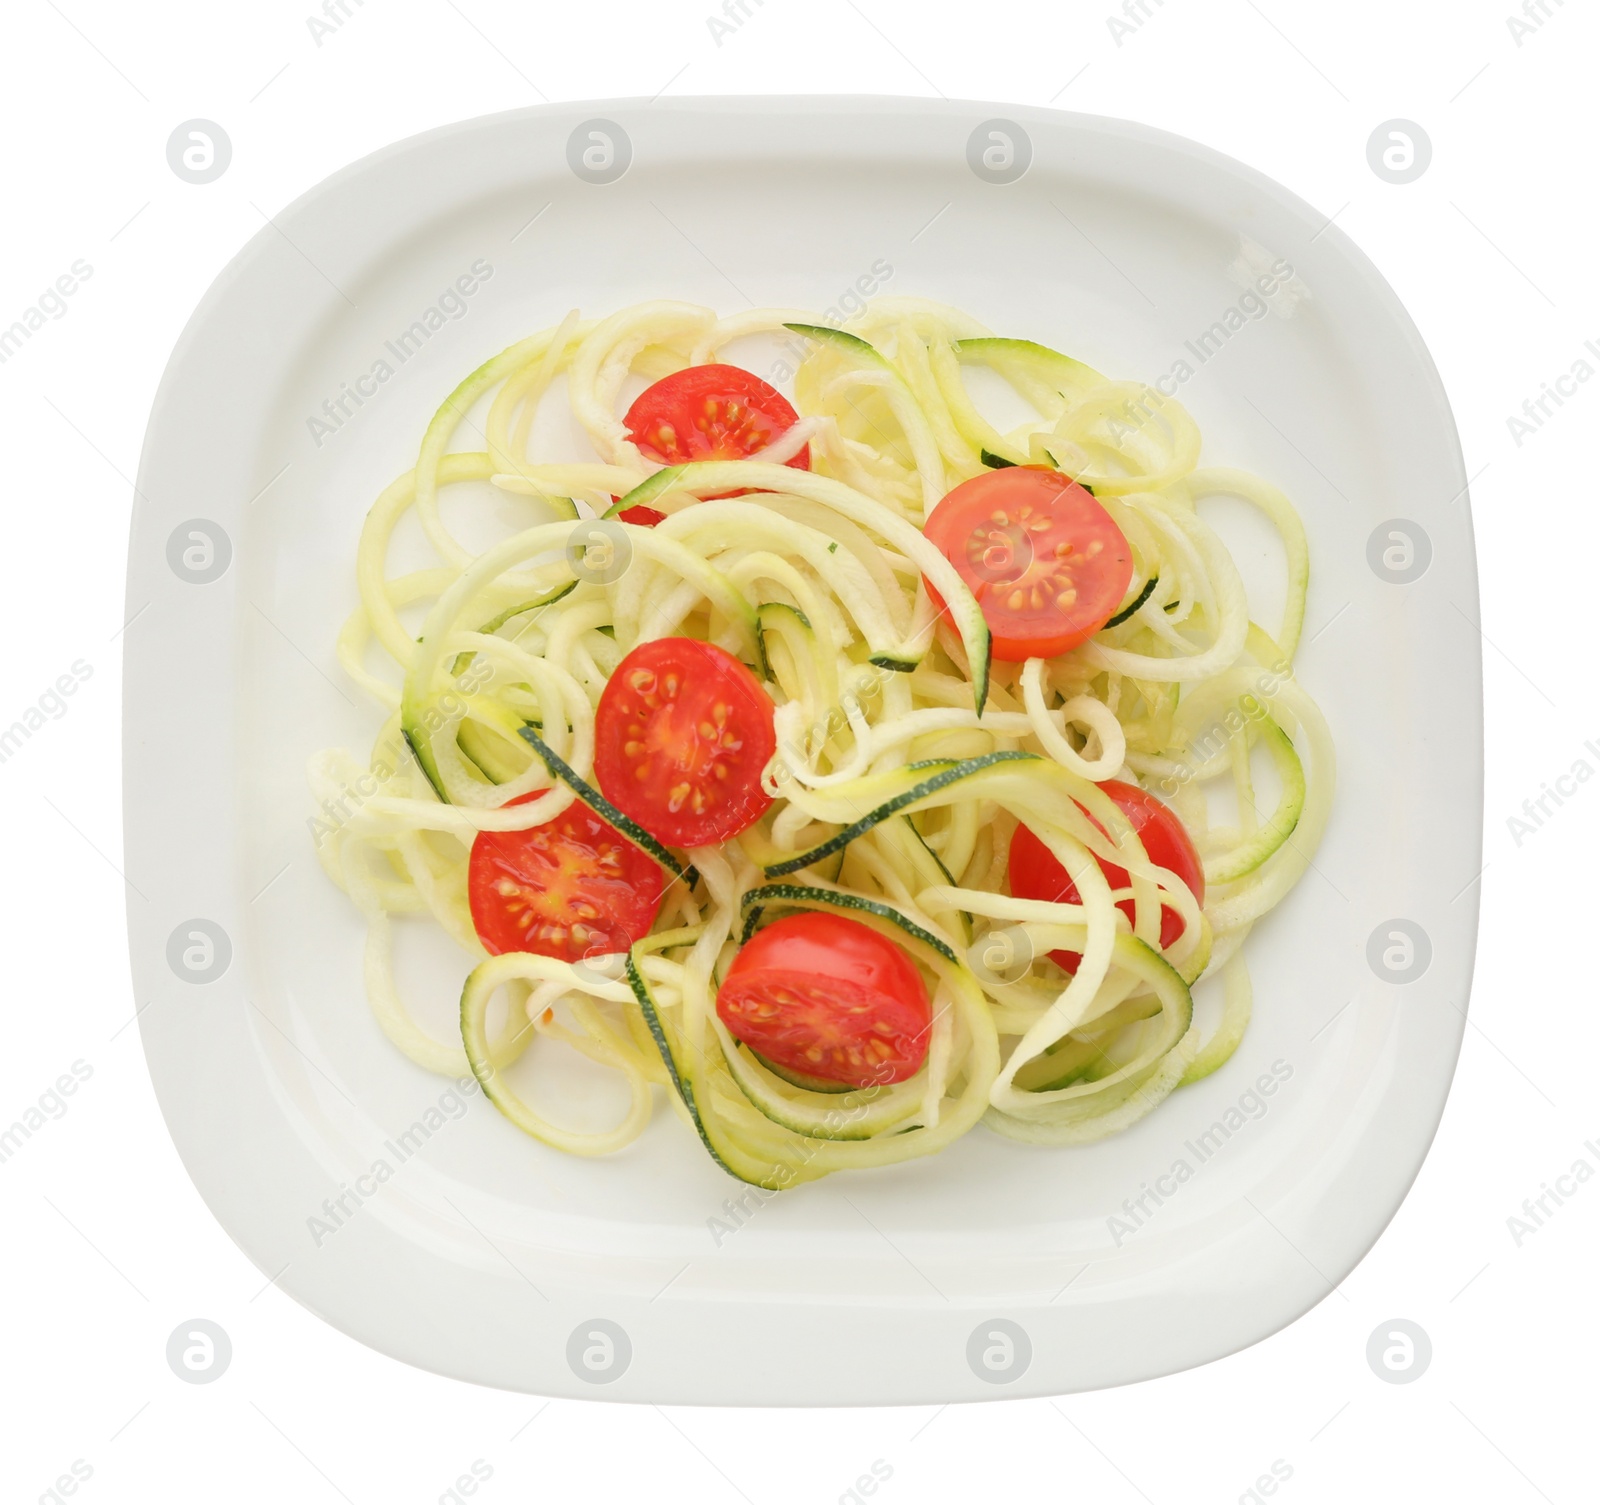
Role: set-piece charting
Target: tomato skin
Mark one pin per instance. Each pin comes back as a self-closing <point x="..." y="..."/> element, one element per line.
<point x="642" y="516"/>
<point x="827" y="997"/>
<point x="1035" y="873"/>
<point x="712" y="412"/>
<point x="1043" y="558"/>
<point x="570" y="888"/>
<point x="682" y="734"/>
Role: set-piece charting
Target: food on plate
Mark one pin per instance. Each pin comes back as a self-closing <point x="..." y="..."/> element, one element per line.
<point x="846" y="769"/>
<point x="1040" y="555"/>
<point x="1034" y="873"/>
<point x="682" y="736"/>
<point x="824" y="999"/>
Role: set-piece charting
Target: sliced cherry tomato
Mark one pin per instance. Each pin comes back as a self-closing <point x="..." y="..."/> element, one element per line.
<point x="828" y="998"/>
<point x="1042" y="557"/>
<point x="571" y="888"/>
<point x="708" y="413"/>
<point x="682" y="733"/>
<point x="1035" y="873"/>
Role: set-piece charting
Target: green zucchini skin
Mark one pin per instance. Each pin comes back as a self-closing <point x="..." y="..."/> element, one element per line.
<point x="414" y="711"/>
<point x="851" y="342"/>
<point x="1060" y="372"/>
<point x="603" y="807"/>
<point x="645" y="492"/>
<point x="758" y="899"/>
<point x="999" y="462"/>
<point x="1133" y="606"/>
<point x="1281" y="826"/>
<point x="950" y="774"/>
<point x="681" y="1077"/>
<point x="767" y="608"/>
<point x="795" y="1079"/>
<point x="494" y="624"/>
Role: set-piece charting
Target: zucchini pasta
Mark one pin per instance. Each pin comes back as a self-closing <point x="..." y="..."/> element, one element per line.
<point x="842" y="771"/>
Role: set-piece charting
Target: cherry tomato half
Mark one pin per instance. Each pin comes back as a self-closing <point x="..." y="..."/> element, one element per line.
<point x="682" y="733"/>
<point x="1043" y="558"/>
<point x="642" y="516"/>
<point x="1035" y="873"/>
<point x="828" y="998"/>
<point x="708" y="413"/>
<point x="571" y="888"/>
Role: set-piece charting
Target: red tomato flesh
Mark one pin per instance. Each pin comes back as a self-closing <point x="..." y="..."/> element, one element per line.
<point x="682" y="733"/>
<point x="708" y="413"/>
<point x="1043" y="558"/>
<point x="829" y="998"/>
<point x="571" y="888"/>
<point x="1035" y="873"/>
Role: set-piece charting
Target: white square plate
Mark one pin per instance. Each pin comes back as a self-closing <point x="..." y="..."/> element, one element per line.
<point x="469" y="1249"/>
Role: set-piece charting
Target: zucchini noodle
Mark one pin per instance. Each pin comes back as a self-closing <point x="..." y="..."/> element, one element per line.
<point x="905" y="758"/>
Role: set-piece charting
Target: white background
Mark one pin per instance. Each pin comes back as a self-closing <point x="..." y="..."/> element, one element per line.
<point x="108" y="1248"/>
